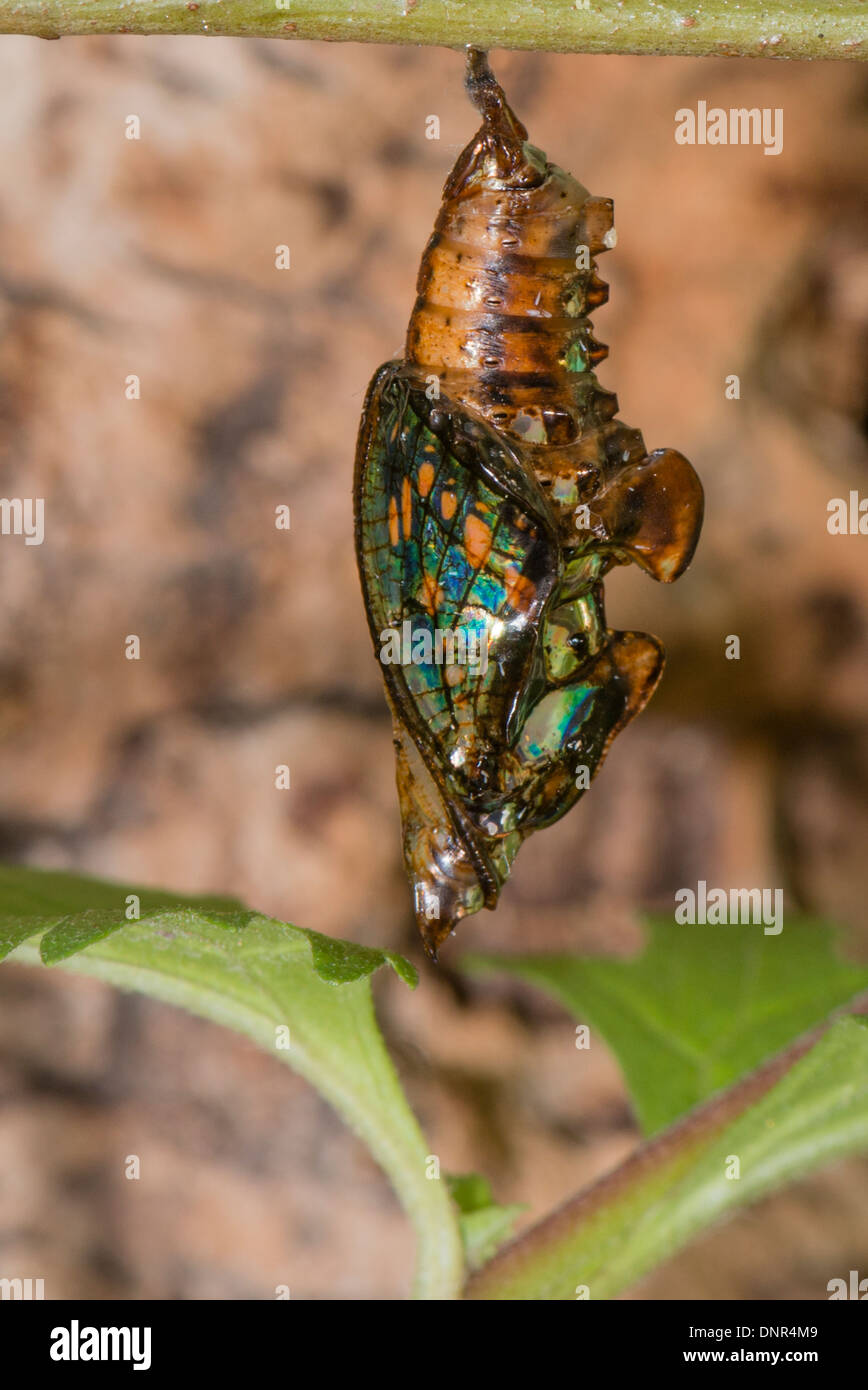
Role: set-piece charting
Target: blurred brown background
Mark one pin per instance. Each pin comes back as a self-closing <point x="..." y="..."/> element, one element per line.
<point x="156" y="257"/>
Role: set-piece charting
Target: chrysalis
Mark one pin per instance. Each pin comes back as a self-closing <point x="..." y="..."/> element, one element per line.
<point x="494" y="489"/>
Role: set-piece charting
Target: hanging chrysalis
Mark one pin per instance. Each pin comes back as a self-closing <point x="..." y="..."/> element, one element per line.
<point x="494" y="489"/>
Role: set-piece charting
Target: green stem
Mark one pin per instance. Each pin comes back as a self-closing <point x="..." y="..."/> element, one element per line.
<point x="751" y="28"/>
<point x="807" y="1106"/>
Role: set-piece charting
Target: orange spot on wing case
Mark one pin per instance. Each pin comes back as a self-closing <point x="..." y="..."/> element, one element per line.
<point x="407" y="508"/>
<point x="448" y="503"/>
<point x="520" y="591"/>
<point x="426" y="479"/>
<point x="477" y="540"/>
<point x="432" y="595"/>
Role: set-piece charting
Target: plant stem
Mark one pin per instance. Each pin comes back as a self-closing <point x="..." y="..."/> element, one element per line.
<point x="833" y="29"/>
<point x="805" y="1106"/>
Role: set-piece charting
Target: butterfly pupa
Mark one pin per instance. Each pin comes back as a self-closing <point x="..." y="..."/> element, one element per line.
<point x="494" y="489"/>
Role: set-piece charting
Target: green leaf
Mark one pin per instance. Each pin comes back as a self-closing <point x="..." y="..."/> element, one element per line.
<point x="69" y="911"/>
<point x="485" y="1225"/>
<point x="470" y="1191"/>
<point x="700" y="1007"/>
<point x="260" y="977"/>
<point x="805" y="1109"/>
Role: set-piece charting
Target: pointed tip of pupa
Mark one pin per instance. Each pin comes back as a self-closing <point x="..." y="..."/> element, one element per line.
<point x="433" y="934"/>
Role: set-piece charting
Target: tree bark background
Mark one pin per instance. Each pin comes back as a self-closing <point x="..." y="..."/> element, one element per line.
<point x="156" y="257"/>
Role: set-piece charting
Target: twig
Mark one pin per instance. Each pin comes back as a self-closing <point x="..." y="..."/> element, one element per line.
<point x="751" y="28"/>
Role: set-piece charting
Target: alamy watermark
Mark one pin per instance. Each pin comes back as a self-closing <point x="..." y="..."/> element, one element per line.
<point x="453" y="648"/>
<point x="23" y="516"/>
<point x="77" y="1343"/>
<point x="24" y="1290"/>
<point x="854" y="1287"/>
<point x="739" y="125"/>
<point x="847" y="516"/>
<point x="731" y="907"/>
